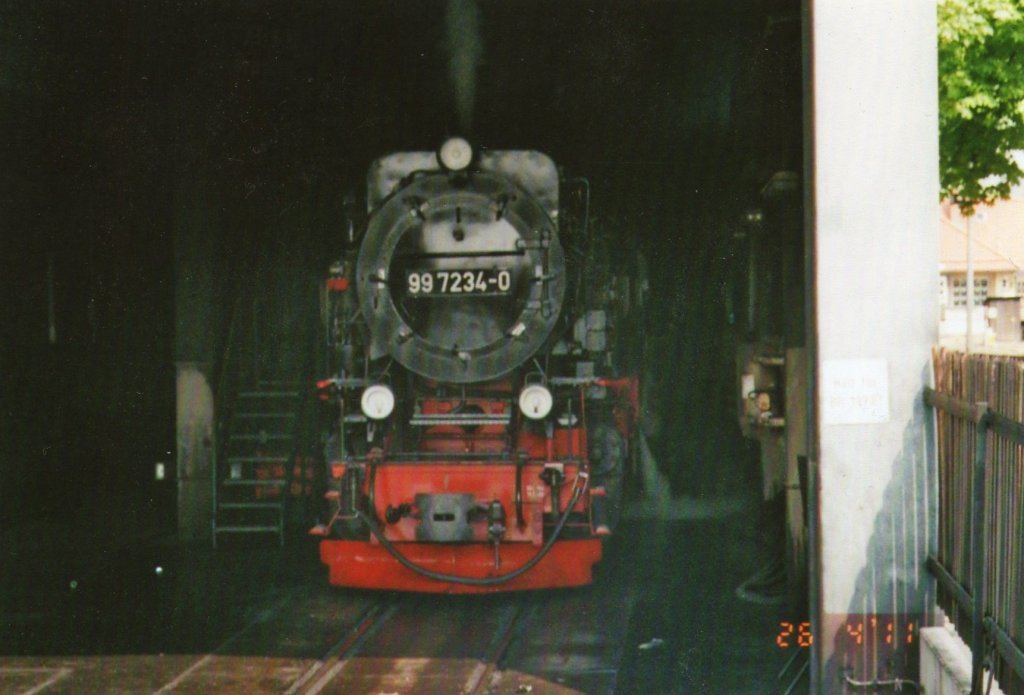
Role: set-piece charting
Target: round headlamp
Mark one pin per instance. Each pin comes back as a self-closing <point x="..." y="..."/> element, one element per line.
<point x="535" y="401"/>
<point x="377" y="402"/>
<point x="455" y="154"/>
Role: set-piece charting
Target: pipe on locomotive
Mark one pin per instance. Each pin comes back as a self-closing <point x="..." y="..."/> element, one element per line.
<point x="578" y="490"/>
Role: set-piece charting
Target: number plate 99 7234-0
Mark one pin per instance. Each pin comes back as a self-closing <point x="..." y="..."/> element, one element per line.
<point x="432" y="283"/>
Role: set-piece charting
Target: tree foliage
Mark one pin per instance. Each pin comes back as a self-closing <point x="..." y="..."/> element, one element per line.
<point x="981" y="99"/>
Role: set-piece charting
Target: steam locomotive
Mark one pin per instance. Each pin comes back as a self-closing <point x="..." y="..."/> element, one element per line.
<point x="476" y="426"/>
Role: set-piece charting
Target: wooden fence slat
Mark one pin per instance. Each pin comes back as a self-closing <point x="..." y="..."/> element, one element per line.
<point x="980" y="450"/>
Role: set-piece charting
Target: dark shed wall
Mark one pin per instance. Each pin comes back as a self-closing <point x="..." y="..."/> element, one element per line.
<point x="234" y="129"/>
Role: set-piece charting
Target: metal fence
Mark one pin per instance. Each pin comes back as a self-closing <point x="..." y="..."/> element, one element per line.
<point x="979" y="406"/>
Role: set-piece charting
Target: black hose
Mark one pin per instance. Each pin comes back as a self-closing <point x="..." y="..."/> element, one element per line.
<point x="475" y="581"/>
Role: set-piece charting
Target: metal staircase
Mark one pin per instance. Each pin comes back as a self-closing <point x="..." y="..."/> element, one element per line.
<point x="251" y="481"/>
<point x="268" y="470"/>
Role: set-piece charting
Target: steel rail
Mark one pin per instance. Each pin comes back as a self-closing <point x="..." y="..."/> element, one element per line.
<point x="482" y="678"/>
<point x="261" y="617"/>
<point x="338" y="655"/>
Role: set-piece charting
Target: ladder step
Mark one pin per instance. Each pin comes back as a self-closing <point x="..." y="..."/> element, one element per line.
<point x="248" y="529"/>
<point x="258" y="459"/>
<point x="267" y="404"/>
<point x="268" y="394"/>
<point x="257" y="416"/>
<point x="266" y="437"/>
<point x="269" y="482"/>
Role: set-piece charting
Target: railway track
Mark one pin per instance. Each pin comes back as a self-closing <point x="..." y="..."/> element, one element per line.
<point x="317" y="641"/>
<point x="325" y="668"/>
<point x="546" y="644"/>
<point x="418" y="645"/>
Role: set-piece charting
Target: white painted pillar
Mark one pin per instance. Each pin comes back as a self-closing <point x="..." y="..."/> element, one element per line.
<point x="196" y="446"/>
<point x="873" y="144"/>
<point x="198" y="314"/>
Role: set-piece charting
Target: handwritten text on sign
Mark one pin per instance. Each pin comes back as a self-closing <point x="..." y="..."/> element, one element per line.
<point x="855" y="392"/>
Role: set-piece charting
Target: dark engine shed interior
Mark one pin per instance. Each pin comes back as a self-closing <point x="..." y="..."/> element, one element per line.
<point x="241" y="126"/>
<point x="164" y="159"/>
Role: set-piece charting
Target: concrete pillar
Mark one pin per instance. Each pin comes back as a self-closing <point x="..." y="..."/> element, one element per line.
<point x="197" y="312"/>
<point x="196" y="442"/>
<point x="873" y="207"/>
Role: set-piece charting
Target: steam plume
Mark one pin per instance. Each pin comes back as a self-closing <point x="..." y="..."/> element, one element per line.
<point x="462" y="24"/>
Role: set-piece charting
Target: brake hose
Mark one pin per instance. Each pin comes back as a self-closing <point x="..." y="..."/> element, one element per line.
<point x="375" y="529"/>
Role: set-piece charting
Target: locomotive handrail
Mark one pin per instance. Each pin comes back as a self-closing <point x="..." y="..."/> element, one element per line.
<point x="343" y="382"/>
<point x="459" y="254"/>
<point x="461" y="419"/>
<point x="450" y="456"/>
<point x="573" y="380"/>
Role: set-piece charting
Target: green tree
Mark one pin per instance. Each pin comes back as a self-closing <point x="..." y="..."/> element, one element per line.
<point x="981" y="99"/>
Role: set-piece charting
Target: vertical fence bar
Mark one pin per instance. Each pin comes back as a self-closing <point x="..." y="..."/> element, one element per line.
<point x="978" y="554"/>
<point x="982" y="549"/>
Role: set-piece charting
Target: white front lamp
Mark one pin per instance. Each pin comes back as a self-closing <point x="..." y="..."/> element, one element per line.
<point x="535" y="401"/>
<point x="377" y="402"/>
<point x="455" y="154"/>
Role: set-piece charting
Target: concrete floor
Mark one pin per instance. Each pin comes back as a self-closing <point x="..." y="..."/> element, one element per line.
<point x="77" y="595"/>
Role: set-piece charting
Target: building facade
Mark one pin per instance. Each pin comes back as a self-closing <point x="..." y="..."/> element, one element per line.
<point x="997" y="250"/>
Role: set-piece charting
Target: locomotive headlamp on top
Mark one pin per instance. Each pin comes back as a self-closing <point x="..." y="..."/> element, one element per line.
<point x="455" y="154"/>
<point x="535" y="401"/>
<point x="377" y="402"/>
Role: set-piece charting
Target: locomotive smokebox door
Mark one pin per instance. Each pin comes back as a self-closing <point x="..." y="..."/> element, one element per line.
<point x="463" y="283"/>
<point x="444" y="518"/>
